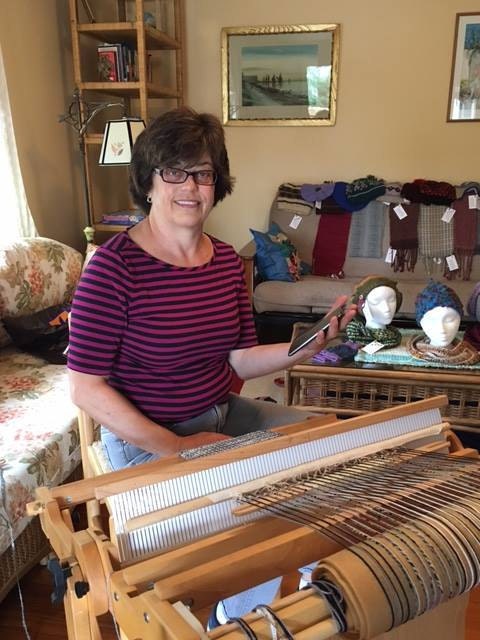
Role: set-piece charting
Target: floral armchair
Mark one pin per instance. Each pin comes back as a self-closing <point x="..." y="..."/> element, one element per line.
<point x="39" y="442"/>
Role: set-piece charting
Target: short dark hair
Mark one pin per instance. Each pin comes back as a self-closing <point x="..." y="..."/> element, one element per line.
<point x="179" y="135"/>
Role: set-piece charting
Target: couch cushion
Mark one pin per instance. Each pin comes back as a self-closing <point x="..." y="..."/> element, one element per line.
<point x="316" y="294"/>
<point x="36" y="273"/>
<point x="276" y="257"/>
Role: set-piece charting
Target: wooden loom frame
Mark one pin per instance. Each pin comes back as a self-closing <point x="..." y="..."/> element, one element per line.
<point x="204" y="571"/>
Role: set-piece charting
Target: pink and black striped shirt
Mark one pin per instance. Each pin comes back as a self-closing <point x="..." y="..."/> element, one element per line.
<point x="161" y="334"/>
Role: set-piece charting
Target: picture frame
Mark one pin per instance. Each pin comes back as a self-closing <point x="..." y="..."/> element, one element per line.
<point x="464" y="94"/>
<point x="280" y="75"/>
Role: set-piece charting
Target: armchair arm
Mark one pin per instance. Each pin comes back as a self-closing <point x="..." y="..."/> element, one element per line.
<point x="247" y="255"/>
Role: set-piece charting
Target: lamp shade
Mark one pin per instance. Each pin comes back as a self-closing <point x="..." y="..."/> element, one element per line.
<point x="118" y="140"/>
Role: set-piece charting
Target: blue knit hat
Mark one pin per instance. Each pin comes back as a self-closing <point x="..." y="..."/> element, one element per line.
<point x="436" y="294"/>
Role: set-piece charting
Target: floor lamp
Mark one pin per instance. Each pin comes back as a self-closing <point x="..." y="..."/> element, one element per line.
<point x="79" y="115"/>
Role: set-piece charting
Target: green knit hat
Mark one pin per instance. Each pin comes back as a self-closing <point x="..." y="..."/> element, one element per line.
<point x="366" y="285"/>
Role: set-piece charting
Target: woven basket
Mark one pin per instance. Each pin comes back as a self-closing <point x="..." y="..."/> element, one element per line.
<point x="30" y="547"/>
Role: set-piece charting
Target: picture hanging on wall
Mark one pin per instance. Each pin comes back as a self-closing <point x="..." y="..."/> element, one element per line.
<point x="464" y="97"/>
<point x="280" y="75"/>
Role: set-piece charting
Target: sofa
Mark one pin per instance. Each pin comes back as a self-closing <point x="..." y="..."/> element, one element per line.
<point x="39" y="440"/>
<point x="278" y="304"/>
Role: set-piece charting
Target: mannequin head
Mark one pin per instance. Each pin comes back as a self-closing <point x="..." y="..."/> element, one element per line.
<point x="378" y="299"/>
<point x="379" y="307"/>
<point x="440" y="325"/>
<point x="438" y="311"/>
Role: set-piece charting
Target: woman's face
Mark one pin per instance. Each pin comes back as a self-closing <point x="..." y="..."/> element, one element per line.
<point x="380" y="306"/>
<point x="185" y="205"/>
<point x="440" y="325"/>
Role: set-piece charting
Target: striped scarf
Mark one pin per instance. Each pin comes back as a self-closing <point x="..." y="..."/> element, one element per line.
<point x="435" y="237"/>
<point x="289" y="199"/>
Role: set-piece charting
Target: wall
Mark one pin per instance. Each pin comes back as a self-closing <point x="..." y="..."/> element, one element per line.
<point x="35" y="39"/>
<point x="395" y="62"/>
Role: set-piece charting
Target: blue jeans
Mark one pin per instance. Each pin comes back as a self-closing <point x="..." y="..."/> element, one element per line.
<point x="235" y="417"/>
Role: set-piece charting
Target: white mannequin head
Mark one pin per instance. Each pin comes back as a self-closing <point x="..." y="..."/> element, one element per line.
<point x="379" y="307"/>
<point x="440" y="325"/>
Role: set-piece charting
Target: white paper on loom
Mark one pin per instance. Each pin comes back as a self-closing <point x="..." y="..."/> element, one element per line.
<point x="274" y="466"/>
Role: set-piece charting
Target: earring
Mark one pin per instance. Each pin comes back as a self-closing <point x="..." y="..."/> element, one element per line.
<point x="149" y="199"/>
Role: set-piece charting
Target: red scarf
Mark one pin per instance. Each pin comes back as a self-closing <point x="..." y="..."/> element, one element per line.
<point x="330" y="246"/>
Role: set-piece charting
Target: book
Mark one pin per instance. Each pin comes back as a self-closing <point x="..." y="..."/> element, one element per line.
<point x="108" y="65"/>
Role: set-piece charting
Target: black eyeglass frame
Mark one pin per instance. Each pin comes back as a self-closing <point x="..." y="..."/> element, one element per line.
<point x="159" y="171"/>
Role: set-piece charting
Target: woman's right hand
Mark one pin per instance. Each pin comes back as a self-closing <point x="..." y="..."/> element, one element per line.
<point x="200" y="439"/>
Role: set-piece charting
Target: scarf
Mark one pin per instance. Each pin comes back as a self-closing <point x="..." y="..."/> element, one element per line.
<point x="357" y="331"/>
<point x="404" y="237"/>
<point x="330" y="248"/>
<point x="289" y="199"/>
<point x="472" y="335"/>
<point x="435" y="237"/>
<point x="458" y="352"/>
<point x="464" y="238"/>
<point x="366" y="232"/>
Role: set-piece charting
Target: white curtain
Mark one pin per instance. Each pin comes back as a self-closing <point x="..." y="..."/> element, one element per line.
<point x="15" y="218"/>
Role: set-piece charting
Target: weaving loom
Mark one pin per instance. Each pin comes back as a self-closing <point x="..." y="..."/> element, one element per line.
<point x="393" y="520"/>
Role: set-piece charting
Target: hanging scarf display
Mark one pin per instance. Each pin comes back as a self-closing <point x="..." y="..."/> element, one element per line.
<point x="465" y="222"/>
<point x="435" y="237"/>
<point x="404" y="237"/>
<point x="366" y="232"/>
<point x="330" y="248"/>
<point x="457" y="353"/>
<point x="357" y="331"/>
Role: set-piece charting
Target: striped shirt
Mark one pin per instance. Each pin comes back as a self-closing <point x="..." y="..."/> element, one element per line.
<point x="161" y="334"/>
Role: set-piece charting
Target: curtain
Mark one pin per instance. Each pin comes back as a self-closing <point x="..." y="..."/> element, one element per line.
<point x="16" y="220"/>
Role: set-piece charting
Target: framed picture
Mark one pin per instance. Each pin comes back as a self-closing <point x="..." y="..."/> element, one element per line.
<point x="280" y="75"/>
<point x="464" y="97"/>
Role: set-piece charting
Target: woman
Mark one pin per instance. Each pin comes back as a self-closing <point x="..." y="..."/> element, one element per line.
<point x="161" y="317"/>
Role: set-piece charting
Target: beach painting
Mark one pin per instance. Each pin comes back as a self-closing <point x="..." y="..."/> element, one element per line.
<point x="285" y="77"/>
<point x="464" y="99"/>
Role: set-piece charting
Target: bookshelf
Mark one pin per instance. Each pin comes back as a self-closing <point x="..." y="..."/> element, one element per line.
<point x="152" y="31"/>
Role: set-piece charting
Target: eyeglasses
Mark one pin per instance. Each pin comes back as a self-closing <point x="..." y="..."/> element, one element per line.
<point x="204" y="177"/>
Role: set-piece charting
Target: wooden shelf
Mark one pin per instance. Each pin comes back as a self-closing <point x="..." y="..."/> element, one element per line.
<point x="129" y="89"/>
<point x="127" y="32"/>
<point x="140" y="97"/>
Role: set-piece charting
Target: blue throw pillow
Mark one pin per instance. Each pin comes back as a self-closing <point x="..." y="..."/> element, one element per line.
<point x="276" y="258"/>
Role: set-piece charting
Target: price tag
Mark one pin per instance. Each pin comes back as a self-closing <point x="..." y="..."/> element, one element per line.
<point x="390" y="257"/>
<point x="295" y="222"/>
<point x="318" y="204"/>
<point x="448" y="214"/>
<point x="452" y="263"/>
<point x="473" y="201"/>
<point x="400" y="211"/>
<point x="372" y="347"/>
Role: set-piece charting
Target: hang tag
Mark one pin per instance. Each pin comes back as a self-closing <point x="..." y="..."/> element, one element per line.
<point x="400" y="211"/>
<point x="373" y="347"/>
<point x="473" y="201"/>
<point x="295" y="222"/>
<point x="448" y="214"/>
<point x="452" y="263"/>
<point x="390" y="257"/>
<point x="318" y="204"/>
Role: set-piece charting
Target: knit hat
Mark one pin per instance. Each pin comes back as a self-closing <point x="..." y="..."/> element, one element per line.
<point x="362" y="190"/>
<point x="316" y="192"/>
<point x="369" y="283"/>
<point x="436" y="294"/>
<point x="473" y="304"/>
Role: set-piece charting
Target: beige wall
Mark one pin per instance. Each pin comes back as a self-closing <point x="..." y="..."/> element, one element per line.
<point x="395" y="61"/>
<point x="35" y="39"/>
